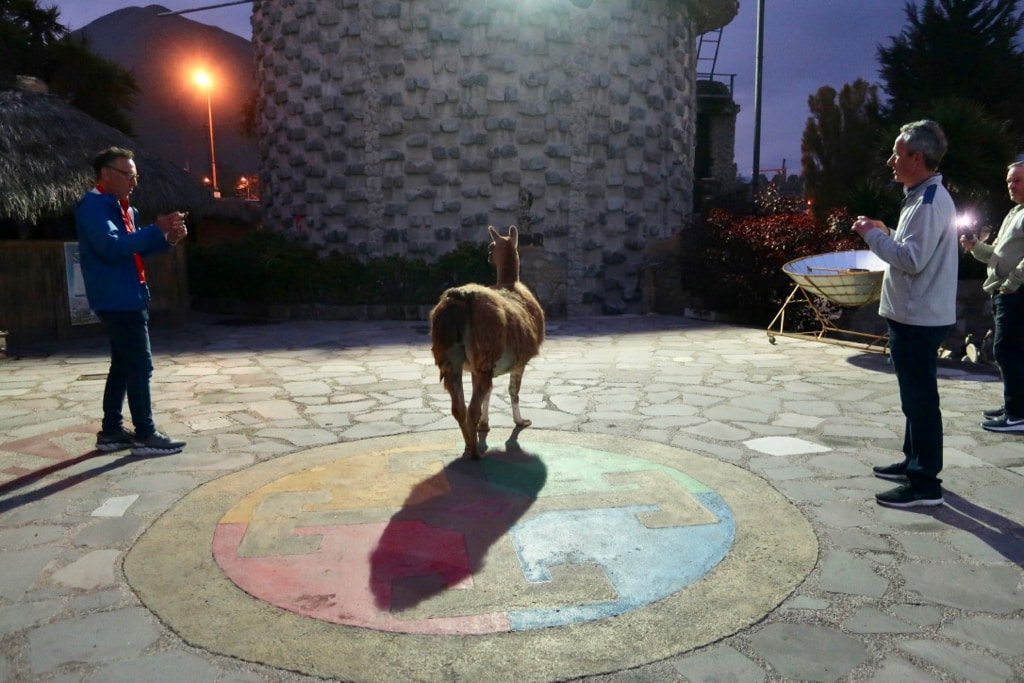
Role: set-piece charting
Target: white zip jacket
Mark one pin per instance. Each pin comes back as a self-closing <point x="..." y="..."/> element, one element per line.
<point x="922" y="257"/>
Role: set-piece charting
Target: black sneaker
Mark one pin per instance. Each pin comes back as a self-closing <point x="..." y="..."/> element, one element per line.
<point x="157" y="444"/>
<point x="1006" y="423"/>
<point x="994" y="413"/>
<point x="894" y="472"/>
<point x="115" y="441"/>
<point x="906" y="497"/>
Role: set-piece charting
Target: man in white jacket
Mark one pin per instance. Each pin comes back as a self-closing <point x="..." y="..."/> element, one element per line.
<point x="919" y="305"/>
<point x="1005" y="259"/>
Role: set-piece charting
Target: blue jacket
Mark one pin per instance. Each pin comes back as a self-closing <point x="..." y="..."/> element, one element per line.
<point x="106" y="253"/>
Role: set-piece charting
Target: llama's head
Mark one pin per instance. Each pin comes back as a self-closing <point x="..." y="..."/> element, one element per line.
<point x="503" y="252"/>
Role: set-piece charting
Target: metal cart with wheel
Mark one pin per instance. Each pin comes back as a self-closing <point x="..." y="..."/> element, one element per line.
<point x="850" y="279"/>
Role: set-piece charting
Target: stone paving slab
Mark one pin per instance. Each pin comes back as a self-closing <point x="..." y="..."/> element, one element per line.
<point x="933" y="595"/>
<point x="55" y="449"/>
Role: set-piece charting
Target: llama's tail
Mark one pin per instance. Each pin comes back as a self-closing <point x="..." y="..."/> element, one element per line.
<point x="448" y="322"/>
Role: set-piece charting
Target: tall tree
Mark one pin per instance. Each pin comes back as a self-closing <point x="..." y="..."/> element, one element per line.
<point x="98" y="86"/>
<point x="840" y="143"/>
<point x="248" y="126"/>
<point x="974" y="168"/>
<point x="26" y="33"/>
<point x="33" y="42"/>
<point x="957" y="49"/>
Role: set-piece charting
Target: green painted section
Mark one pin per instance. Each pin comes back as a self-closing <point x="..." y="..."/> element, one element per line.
<point x="574" y="470"/>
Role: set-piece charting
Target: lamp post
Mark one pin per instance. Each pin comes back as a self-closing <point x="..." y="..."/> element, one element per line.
<point x="758" y="68"/>
<point x="204" y="82"/>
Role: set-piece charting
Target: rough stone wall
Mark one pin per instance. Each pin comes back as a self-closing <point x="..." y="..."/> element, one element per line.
<point x="723" y="148"/>
<point x="715" y="165"/>
<point x="402" y="127"/>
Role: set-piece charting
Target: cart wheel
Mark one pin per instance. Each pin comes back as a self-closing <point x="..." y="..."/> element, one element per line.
<point x="771" y="338"/>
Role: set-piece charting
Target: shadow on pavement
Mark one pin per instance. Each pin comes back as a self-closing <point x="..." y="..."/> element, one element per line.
<point x="971" y="372"/>
<point x="1003" y="535"/>
<point x="13" y="502"/>
<point x="245" y="334"/>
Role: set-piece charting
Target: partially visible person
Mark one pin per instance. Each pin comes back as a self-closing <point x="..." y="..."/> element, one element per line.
<point x="1005" y="259"/>
<point x="919" y="305"/>
<point x="111" y="247"/>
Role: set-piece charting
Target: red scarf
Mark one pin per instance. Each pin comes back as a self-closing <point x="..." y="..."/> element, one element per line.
<point x="129" y="225"/>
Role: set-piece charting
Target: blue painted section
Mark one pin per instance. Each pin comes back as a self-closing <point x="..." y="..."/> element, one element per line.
<point x="643" y="565"/>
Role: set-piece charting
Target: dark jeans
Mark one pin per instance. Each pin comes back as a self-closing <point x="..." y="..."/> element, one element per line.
<point x="1008" y="348"/>
<point x="914" y="351"/>
<point x="131" y="367"/>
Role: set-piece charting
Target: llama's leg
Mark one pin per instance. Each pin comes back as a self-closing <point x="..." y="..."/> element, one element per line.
<point x="482" y="382"/>
<point x="515" y="380"/>
<point x="483" y="426"/>
<point x="453" y="384"/>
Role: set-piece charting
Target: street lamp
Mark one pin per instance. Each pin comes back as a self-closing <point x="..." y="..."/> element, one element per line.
<point x="204" y="82"/>
<point x="758" y="68"/>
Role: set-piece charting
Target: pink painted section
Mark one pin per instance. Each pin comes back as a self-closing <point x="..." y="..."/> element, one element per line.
<point x="350" y="578"/>
<point x="44" y="446"/>
<point x="47" y="447"/>
<point x="411" y="549"/>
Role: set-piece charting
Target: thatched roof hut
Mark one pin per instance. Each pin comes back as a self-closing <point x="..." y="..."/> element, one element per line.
<point x="46" y="152"/>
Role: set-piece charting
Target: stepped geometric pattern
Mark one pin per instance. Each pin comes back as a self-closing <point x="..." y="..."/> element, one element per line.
<point x="535" y="535"/>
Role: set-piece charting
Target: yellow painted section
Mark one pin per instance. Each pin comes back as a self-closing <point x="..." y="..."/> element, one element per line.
<point x="358" y="482"/>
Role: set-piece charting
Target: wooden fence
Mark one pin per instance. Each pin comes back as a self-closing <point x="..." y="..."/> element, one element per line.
<point x="35" y="305"/>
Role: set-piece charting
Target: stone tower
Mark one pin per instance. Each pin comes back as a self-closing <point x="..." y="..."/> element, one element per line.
<point x="402" y="127"/>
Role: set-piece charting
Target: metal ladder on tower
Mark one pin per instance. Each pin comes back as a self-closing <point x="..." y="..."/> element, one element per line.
<point x="707" y="53"/>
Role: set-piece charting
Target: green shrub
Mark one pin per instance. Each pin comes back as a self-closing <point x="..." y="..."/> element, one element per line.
<point x="270" y="268"/>
<point x="263" y="267"/>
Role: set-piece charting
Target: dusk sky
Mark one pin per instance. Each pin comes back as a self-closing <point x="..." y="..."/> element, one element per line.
<point x="807" y="44"/>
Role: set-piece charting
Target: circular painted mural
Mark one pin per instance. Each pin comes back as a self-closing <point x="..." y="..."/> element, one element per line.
<point x="533" y="535"/>
<point x="558" y="556"/>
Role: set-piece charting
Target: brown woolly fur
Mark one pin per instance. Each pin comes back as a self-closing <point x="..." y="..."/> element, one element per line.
<point x="489" y="331"/>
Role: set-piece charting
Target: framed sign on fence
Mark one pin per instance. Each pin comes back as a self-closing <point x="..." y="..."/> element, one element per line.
<point x="78" y="305"/>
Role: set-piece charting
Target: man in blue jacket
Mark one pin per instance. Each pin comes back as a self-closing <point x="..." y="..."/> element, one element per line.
<point x="918" y="304"/>
<point x="111" y="247"/>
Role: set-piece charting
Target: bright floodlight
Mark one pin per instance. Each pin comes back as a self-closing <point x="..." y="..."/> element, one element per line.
<point x="965" y="220"/>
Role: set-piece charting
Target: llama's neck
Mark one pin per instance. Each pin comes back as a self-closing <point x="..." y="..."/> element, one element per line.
<point x="508" y="274"/>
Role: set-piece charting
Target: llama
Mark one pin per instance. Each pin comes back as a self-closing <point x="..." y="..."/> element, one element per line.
<point x="489" y="331"/>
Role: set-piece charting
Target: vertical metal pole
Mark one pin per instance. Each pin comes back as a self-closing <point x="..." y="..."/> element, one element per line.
<point x="213" y="156"/>
<point x="759" y="64"/>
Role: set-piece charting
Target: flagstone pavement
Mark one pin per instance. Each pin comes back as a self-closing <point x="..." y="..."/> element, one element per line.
<point x="933" y="594"/>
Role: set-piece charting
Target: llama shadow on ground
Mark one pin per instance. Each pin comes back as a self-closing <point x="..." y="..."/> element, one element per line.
<point x="441" y="536"/>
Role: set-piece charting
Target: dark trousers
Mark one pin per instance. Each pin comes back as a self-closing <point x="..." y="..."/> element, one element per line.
<point x="1008" y="348"/>
<point x="131" y="367"/>
<point x="914" y="351"/>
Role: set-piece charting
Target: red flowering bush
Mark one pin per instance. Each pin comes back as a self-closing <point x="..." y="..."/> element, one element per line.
<point x="739" y="269"/>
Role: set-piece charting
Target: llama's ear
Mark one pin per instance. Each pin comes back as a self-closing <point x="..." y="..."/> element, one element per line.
<point x="513" y="235"/>
<point x="494" y="233"/>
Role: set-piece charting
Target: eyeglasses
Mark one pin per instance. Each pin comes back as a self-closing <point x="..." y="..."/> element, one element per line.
<point x="131" y="176"/>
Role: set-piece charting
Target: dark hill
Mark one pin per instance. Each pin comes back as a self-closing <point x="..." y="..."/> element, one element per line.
<point x="170" y="116"/>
